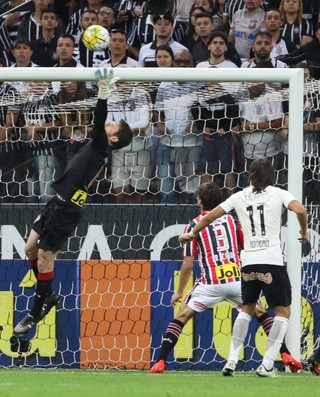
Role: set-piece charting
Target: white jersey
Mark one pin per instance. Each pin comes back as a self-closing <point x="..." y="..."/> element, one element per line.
<point x="260" y="217"/>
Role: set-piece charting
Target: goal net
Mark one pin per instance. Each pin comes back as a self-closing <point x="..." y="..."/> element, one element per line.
<point x="117" y="273"/>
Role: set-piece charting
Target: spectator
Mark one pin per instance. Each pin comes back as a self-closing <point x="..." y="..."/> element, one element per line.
<point x="10" y="21"/>
<point x="65" y="58"/>
<point x="181" y="12"/>
<point x="204" y="28"/>
<point x="82" y="54"/>
<point x="11" y="153"/>
<point x="218" y="46"/>
<point x="231" y="6"/>
<point x="208" y="5"/>
<point x="76" y="119"/>
<point x="22" y="53"/>
<point x="244" y="25"/>
<point x="30" y="28"/>
<point x="218" y="117"/>
<point x="44" y="49"/>
<point x="106" y="16"/>
<point x="45" y="136"/>
<point x="262" y="118"/>
<point x="262" y="47"/>
<point x="74" y="20"/>
<point x="126" y="11"/>
<point x="163" y="25"/>
<point x="294" y="28"/>
<point x="183" y="58"/>
<point x="65" y="50"/>
<point x="191" y="37"/>
<point x="178" y="147"/>
<point x="309" y="52"/>
<point x="143" y="32"/>
<point x="88" y="18"/>
<point x="131" y="166"/>
<point x="164" y="56"/>
<point x="272" y="24"/>
<point x="118" y="48"/>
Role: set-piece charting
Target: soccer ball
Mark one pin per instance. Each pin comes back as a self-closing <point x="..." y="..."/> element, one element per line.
<point x="96" y="38"/>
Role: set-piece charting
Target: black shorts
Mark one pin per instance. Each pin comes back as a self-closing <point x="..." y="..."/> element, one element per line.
<point x="56" y="224"/>
<point x="272" y="280"/>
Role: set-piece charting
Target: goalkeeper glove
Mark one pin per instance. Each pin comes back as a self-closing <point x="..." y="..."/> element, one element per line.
<point x="106" y="82"/>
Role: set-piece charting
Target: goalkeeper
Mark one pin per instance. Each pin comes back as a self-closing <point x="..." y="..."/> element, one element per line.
<point x="62" y="214"/>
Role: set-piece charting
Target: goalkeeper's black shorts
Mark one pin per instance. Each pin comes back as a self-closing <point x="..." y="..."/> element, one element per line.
<point x="56" y="224"/>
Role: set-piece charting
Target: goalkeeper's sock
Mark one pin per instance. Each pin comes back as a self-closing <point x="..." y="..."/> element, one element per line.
<point x="275" y="339"/>
<point x="43" y="289"/>
<point x="170" y="338"/>
<point x="239" y="333"/>
<point x="34" y="267"/>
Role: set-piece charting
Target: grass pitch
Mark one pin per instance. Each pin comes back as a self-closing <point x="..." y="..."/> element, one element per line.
<point x="114" y="383"/>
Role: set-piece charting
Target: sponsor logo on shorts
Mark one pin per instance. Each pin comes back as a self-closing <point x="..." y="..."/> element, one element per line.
<point x="266" y="278"/>
<point x="79" y="198"/>
<point x="229" y="270"/>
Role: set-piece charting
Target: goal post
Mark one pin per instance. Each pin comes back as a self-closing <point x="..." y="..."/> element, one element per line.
<point x="295" y="80"/>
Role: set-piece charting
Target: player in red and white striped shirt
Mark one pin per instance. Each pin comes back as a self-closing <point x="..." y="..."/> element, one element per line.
<point x="217" y="249"/>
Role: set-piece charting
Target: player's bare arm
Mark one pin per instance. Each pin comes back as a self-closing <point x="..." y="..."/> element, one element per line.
<point x="302" y="217"/>
<point x="186" y="270"/>
<point x="204" y="222"/>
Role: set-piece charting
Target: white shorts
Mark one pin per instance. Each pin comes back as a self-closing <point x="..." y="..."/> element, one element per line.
<point x="203" y="296"/>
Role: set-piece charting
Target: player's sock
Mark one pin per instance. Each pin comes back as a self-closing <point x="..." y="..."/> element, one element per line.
<point x="170" y="338"/>
<point x="43" y="289"/>
<point x="34" y="267"/>
<point x="266" y="322"/>
<point x="240" y="329"/>
<point x="275" y="339"/>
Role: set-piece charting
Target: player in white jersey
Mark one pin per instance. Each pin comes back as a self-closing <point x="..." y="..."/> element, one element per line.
<point x="259" y="208"/>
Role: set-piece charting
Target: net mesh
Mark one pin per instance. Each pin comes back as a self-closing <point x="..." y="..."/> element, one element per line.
<point x="117" y="272"/>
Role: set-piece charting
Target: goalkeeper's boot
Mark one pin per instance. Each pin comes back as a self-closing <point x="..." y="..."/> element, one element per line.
<point x="263" y="372"/>
<point x="313" y="362"/>
<point x="229" y="368"/>
<point x="50" y="301"/>
<point x="158" y="367"/>
<point x="25" y="324"/>
<point x="289" y="361"/>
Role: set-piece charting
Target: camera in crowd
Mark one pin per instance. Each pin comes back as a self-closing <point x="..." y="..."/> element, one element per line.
<point x="20" y="344"/>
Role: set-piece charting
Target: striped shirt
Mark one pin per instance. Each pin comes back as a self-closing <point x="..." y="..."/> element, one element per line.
<point x="39" y="111"/>
<point x="142" y="31"/>
<point x="10" y="97"/>
<point x="296" y="31"/>
<point x="217" y="247"/>
<point x="9" y="34"/>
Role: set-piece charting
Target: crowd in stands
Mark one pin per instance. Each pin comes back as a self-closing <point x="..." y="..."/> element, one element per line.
<point x="181" y="138"/>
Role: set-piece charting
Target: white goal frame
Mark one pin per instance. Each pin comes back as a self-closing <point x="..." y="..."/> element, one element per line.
<point x="294" y="77"/>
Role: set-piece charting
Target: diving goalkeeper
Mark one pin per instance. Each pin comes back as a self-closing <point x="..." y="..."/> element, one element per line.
<point x="62" y="214"/>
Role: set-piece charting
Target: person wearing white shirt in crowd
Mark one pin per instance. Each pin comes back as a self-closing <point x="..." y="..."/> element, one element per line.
<point x="262" y="47"/>
<point x="131" y="166"/>
<point x="217" y="46"/>
<point x="179" y="144"/>
<point x="118" y="49"/>
<point x="22" y="53"/>
<point x="261" y="133"/>
<point x="244" y="25"/>
<point x="163" y="27"/>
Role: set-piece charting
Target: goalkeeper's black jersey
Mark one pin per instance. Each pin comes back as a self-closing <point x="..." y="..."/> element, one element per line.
<point x="73" y="185"/>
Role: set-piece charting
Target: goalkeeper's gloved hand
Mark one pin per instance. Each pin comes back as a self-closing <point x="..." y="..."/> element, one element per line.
<point x="106" y="82"/>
